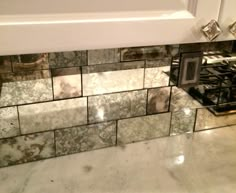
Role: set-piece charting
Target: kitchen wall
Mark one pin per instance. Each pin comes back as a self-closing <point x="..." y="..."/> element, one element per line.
<point x="54" y="104"/>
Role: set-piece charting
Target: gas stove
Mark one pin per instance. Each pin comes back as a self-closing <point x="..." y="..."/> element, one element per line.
<point x="216" y="85"/>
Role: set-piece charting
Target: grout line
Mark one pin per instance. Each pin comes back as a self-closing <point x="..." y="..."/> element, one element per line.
<point x="54" y="140"/>
<point x="18" y="116"/>
<point x="171" y="116"/>
<point x="81" y="82"/>
<point x="88" y="110"/>
<point x="116" y="132"/>
<point x="53" y="97"/>
<point x="195" y="120"/>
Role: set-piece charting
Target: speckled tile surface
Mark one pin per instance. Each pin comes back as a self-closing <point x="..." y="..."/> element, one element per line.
<point x="206" y="120"/>
<point x="147" y="53"/>
<point x="23" y="88"/>
<point x="156" y="77"/>
<point x="104" y="56"/>
<point x="113" y="81"/>
<point x="181" y="99"/>
<point x="5" y="64"/>
<point x="66" y="82"/>
<point x="67" y="59"/>
<point x="30" y="62"/>
<point x="116" y="106"/>
<point x="143" y="128"/>
<point x="84" y="138"/>
<point x="158" y="100"/>
<point x="9" y="124"/>
<point x="26" y="148"/>
<point x="182" y="121"/>
<point x="53" y="115"/>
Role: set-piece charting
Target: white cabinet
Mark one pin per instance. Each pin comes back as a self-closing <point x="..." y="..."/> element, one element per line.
<point x="227" y="17"/>
<point x="29" y="26"/>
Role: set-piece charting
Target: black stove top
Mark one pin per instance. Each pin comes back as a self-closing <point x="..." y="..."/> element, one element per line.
<point x="217" y="85"/>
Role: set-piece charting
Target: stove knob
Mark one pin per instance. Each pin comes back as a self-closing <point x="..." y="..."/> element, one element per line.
<point x="211" y="30"/>
<point x="232" y="28"/>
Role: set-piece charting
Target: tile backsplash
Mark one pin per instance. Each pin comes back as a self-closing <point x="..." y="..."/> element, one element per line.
<point x="54" y="104"/>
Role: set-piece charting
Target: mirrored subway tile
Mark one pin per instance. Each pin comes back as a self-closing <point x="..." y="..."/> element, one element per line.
<point x="30" y="62"/>
<point x="225" y="46"/>
<point x="5" y="64"/>
<point x="143" y="128"/>
<point x="181" y="99"/>
<point x="103" y="56"/>
<point x="156" y="77"/>
<point x="23" y="88"/>
<point x="207" y="120"/>
<point x="67" y="59"/>
<point x="116" y="106"/>
<point x="9" y="124"/>
<point x="66" y="82"/>
<point x="109" y="78"/>
<point x="26" y="148"/>
<point x="158" y="100"/>
<point x="53" y="115"/>
<point x="148" y="53"/>
<point x="85" y="138"/>
<point x="182" y="121"/>
<point x="158" y="63"/>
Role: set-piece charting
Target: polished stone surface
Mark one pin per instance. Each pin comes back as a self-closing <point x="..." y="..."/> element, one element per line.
<point x="156" y="77"/>
<point x="26" y="148"/>
<point x="182" y="121"/>
<point x="5" y="64"/>
<point x="206" y="120"/>
<point x="158" y="100"/>
<point x="203" y="162"/>
<point x="114" y="80"/>
<point x="29" y="62"/>
<point x="67" y="59"/>
<point x="9" y="124"/>
<point x="181" y="99"/>
<point x="66" y="82"/>
<point x="23" y="88"/>
<point x="116" y="106"/>
<point x="105" y="56"/>
<point x="143" y="128"/>
<point x="53" y="115"/>
<point x="85" y="138"/>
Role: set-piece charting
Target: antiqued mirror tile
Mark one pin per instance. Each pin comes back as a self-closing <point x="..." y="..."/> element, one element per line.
<point x="156" y="77"/>
<point x="182" y="121"/>
<point x="26" y="148"/>
<point x="181" y="99"/>
<point x="85" y="138"/>
<point x="116" y="106"/>
<point x="53" y="115"/>
<point x="148" y="53"/>
<point x="103" y="56"/>
<point x="66" y="82"/>
<point x="23" y="88"/>
<point x="114" y="80"/>
<point x="67" y="59"/>
<point x="158" y="100"/>
<point x="207" y="120"/>
<point x="9" y="125"/>
<point x="30" y="62"/>
<point x="143" y="128"/>
<point x="158" y="63"/>
<point x="5" y="64"/>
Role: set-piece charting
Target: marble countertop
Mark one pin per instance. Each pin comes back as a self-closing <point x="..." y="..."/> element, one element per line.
<point x="200" y="162"/>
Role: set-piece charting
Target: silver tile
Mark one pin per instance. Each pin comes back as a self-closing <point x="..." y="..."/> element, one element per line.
<point x="156" y="77"/>
<point x="26" y="148"/>
<point x="53" y="115"/>
<point x="85" y="138"/>
<point x="116" y="106"/>
<point x="207" y="120"/>
<point x="143" y="128"/>
<point x="103" y="56"/>
<point x="9" y="125"/>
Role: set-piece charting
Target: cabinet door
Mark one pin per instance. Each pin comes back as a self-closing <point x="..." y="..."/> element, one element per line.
<point x="45" y="26"/>
<point x="227" y="17"/>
